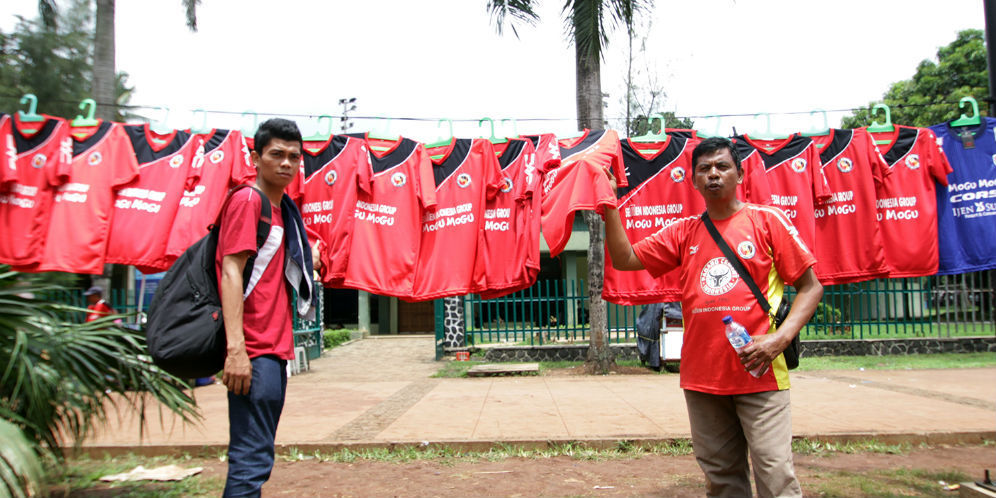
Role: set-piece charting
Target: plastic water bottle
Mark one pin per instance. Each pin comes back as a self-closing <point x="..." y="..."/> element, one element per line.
<point x="739" y="339"/>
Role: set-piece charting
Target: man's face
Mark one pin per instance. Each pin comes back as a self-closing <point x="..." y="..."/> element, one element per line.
<point x="279" y="162"/>
<point x="92" y="298"/>
<point x="716" y="175"/>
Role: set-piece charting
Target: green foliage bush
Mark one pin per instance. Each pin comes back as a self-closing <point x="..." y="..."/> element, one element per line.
<point x="333" y="338"/>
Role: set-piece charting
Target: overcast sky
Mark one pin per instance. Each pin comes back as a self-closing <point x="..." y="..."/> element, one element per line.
<point x="442" y="58"/>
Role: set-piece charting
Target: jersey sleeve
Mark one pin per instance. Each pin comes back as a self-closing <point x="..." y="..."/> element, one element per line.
<point x="238" y="223"/>
<point x="492" y="171"/>
<point x="62" y="170"/>
<point x="879" y="168"/>
<point x="426" y="187"/>
<point x="821" y="188"/>
<point x="125" y="163"/>
<point x="938" y="164"/>
<point x="755" y="187"/>
<point x="616" y="162"/>
<point x="194" y="168"/>
<point x="243" y="171"/>
<point x="789" y="252"/>
<point x="661" y="252"/>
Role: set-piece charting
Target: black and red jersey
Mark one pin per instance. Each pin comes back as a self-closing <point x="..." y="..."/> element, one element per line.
<point x="754" y="188"/>
<point x="795" y="177"/>
<point x="466" y="175"/>
<point x="850" y="247"/>
<point x="388" y="218"/>
<point x="659" y="194"/>
<point x="44" y="155"/>
<point x="333" y="173"/>
<point x="580" y="183"/>
<point x="145" y="209"/>
<point x="509" y="256"/>
<point x="226" y="164"/>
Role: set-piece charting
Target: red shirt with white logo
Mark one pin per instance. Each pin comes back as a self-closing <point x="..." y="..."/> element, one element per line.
<point x="850" y="247"/>
<point x="509" y="256"/>
<point x="388" y="218"/>
<point x="659" y="194"/>
<point x="466" y="174"/>
<point x="580" y="183"/>
<point x="334" y="171"/>
<point x="755" y="187"/>
<point x="547" y="150"/>
<point x="226" y="164"/>
<point x="772" y="252"/>
<point x="44" y="156"/>
<point x="145" y="209"/>
<point x="103" y="162"/>
<point x="907" y="206"/>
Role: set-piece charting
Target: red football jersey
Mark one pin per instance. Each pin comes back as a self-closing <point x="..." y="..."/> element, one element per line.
<point x="145" y="209"/>
<point x="509" y="257"/>
<point x="388" y="218"/>
<point x="850" y="242"/>
<point x="8" y="151"/>
<point x="795" y="177"/>
<point x="754" y="188"/>
<point x="333" y="173"/>
<point x="580" y="183"/>
<point x="42" y="164"/>
<point x="547" y="150"/>
<point x="466" y="175"/>
<point x="660" y="193"/>
<point x="103" y="162"/>
<point x="907" y="206"/>
<point x="226" y="164"/>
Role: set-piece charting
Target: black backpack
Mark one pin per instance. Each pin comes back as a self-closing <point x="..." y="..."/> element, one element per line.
<point x="184" y="330"/>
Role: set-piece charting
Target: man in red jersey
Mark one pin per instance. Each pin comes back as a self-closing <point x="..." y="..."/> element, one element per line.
<point x="731" y="411"/>
<point x="96" y="307"/>
<point x="257" y="313"/>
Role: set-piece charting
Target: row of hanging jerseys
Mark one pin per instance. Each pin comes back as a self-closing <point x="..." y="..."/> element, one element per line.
<point x="402" y="219"/>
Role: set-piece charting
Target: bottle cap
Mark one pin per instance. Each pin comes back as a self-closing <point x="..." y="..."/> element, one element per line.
<point x="727" y="319"/>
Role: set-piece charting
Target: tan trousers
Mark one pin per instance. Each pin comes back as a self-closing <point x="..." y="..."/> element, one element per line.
<point x="724" y="427"/>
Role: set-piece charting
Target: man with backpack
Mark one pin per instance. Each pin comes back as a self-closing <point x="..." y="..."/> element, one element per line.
<point x="257" y="313"/>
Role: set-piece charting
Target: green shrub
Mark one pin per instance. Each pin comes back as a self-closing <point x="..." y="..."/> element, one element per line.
<point x="333" y="338"/>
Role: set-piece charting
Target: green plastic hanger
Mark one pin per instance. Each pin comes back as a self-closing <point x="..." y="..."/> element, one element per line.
<point x="766" y="134"/>
<point x="384" y="133"/>
<point x="160" y="126"/>
<point x="817" y="131"/>
<point x="885" y="127"/>
<point x="515" y="127"/>
<point x="441" y="141"/>
<point x="715" y="129"/>
<point x="492" y="138"/>
<point x="255" y="123"/>
<point x="652" y="136"/>
<point x="89" y="106"/>
<point x="968" y="120"/>
<point x="319" y="136"/>
<point x="203" y="127"/>
<point x="31" y="116"/>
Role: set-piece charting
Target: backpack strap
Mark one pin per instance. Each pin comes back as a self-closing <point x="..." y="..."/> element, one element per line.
<point x="737" y="264"/>
<point x="262" y="231"/>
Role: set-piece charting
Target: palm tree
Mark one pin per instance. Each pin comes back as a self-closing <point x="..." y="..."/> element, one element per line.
<point x="588" y="23"/>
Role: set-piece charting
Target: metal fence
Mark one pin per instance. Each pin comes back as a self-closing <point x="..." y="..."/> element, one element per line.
<point x="937" y="306"/>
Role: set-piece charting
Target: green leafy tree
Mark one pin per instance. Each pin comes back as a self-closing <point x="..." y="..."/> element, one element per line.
<point x="932" y="95"/>
<point x="587" y="24"/>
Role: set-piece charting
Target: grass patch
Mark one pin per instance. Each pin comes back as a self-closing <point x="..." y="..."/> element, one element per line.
<point x="455" y="369"/>
<point x="80" y="474"/>
<point x="898" y="362"/>
<point x="332" y="338"/>
<point x="889" y="483"/>
<point x="823" y="448"/>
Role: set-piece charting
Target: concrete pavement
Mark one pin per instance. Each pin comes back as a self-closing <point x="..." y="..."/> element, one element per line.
<point x="378" y="392"/>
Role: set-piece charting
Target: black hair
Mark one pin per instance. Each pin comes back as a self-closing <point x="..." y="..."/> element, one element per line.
<point x="284" y="129"/>
<point x="712" y="145"/>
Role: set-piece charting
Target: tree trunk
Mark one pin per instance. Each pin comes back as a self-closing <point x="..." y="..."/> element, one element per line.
<point x="104" y="72"/>
<point x="589" y="99"/>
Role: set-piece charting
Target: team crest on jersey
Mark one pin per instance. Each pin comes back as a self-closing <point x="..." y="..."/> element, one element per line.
<point x="330" y="177"/>
<point x="506" y="184"/>
<point x="38" y="161"/>
<point x="95" y="158"/>
<point x="718" y="277"/>
<point x="746" y="249"/>
<point x="176" y="161"/>
<point x="678" y="174"/>
<point x="463" y="180"/>
<point x="913" y="161"/>
<point x="845" y="165"/>
<point x="799" y="165"/>
<point x="216" y="156"/>
<point x="399" y="179"/>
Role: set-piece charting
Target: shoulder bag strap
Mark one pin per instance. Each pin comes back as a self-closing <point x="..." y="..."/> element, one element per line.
<point x="737" y="264"/>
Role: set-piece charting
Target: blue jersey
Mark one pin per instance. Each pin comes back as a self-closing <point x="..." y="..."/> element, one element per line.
<point x="966" y="210"/>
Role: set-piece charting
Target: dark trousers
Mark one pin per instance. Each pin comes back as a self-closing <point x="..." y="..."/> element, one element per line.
<point x="252" y="421"/>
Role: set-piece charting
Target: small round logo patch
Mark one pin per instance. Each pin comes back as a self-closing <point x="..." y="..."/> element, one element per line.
<point x="746" y="249"/>
<point x="38" y="161"/>
<point x="463" y="180"/>
<point x="718" y="277"/>
<point x="506" y="184"/>
<point x="799" y="165"/>
<point x="399" y="179"/>
<point x="994" y="159"/>
<point x="913" y="161"/>
<point x="678" y="174"/>
<point x="330" y="177"/>
<point x="176" y="161"/>
<point x="94" y="158"/>
<point x="845" y="165"/>
<point x="217" y="156"/>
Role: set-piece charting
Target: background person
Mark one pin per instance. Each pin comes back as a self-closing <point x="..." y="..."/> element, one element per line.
<point x="95" y="305"/>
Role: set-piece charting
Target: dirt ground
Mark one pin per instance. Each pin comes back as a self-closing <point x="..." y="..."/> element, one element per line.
<point x="645" y="476"/>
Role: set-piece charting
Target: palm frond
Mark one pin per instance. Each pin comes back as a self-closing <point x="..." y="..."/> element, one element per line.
<point x="588" y="22"/>
<point x="20" y="466"/>
<point x="191" y="8"/>
<point x="49" y="12"/>
<point x="519" y="10"/>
